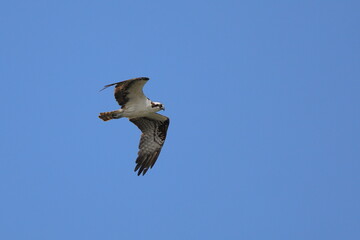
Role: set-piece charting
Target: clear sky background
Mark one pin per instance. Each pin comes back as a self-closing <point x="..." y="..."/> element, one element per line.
<point x="263" y="97"/>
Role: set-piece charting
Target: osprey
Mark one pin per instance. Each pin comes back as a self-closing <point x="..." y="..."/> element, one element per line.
<point x="141" y="111"/>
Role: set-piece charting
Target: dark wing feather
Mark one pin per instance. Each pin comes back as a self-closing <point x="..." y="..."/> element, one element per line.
<point x="128" y="89"/>
<point x="154" y="129"/>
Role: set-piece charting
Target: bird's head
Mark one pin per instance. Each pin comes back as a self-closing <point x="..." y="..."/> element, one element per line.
<point x="157" y="106"/>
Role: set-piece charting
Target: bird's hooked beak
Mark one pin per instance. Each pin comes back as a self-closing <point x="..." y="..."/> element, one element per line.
<point x="163" y="107"/>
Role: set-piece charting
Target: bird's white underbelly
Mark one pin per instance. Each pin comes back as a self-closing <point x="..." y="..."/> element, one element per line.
<point x="132" y="114"/>
<point x="138" y="110"/>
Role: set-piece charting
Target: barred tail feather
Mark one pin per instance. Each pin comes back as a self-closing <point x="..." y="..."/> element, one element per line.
<point x="106" y="116"/>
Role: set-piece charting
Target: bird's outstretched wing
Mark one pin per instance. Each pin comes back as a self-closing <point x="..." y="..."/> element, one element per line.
<point x="129" y="90"/>
<point x="154" y="128"/>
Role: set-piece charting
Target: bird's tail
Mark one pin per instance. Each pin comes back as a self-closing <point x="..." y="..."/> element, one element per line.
<point x="106" y="116"/>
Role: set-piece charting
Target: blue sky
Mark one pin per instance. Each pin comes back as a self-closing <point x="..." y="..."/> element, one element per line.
<point x="263" y="97"/>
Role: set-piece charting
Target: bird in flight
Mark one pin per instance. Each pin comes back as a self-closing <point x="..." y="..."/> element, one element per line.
<point x="141" y="111"/>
